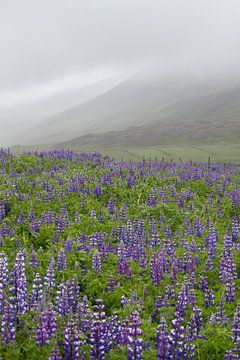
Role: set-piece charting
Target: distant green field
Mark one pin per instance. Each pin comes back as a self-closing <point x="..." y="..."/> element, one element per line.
<point x="217" y="152"/>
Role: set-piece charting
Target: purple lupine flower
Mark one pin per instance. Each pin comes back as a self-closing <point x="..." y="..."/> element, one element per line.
<point x="34" y="260"/>
<point x="170" y="292"/>
<point x="168" y="232"/>
<point x="35" y="226"/>
<point x="235" y="200"/>
<point x="65" y="298"/>
<point x="43" y="218"/>
<point x="111" y="206"/>
<point x="98" y="190"/>
<point x="182" y="300"/>
<point x="3" y="278"/>
<point x="50" y="321"/>
<point x="99" y="336"/>
<point x="49" y="280"/>
<point x="2" y="212"/>
<point x="156" y="270"/>
<point x="123" y="212"/>
<point x="189" y="347"/>
<point x="96" y="263"/>
<point x="151" y="200"/>
<point x="2" y="297"/>
<point x="68" y="245"/>
<point x="5" y="231"/>
<point x="236" y="324"/>
<point x="209" y="264"/>
<point x="155" y="240"/>
<point x="203" y="283"/>
<point x="125" y="268"/>
<point x="124" y="301"/>
<point x="37" y="291"/>
<point x="230" y="291"/>
<point x="195" y="324"/>
<point x="131" y="181"/>
<point x="21" y="218"/>
<point x="47" y="326"/>
<point x="227" y="242"/>
<point x="159" y="303"/>
<point x="114" y="328"/>
<point x="177" y="337"/>
<point x="7" y="326"/>
<point x="145" y="291"/>
<point x="211" y="241"/>
<point x="123" y="333"/>
<point x="42" y="335"/>
<point x="60" y="224"/>
<point x="143" y="261"/>
<point x="219" y="317"/>
<point x="82" y="243"/>
<point x="111" y="283"/>
<point x="99" y="310"/>
<point x="84" y="315"/>
<point x="209" y="298"/>
<point x="18" y="285"/>
<point x="3" y="268"/>
<point x="231" y="355"/>
<point x="135" y="347"/>
<point x="75" y="290"/>
<point x="49" y="218"/>
<point x="227" y="268"/>
<point x="235" y="231"/>
<point x="31" y="216"/>
<point x="55" y="354"/>
<point x="93" y="241"/>
<point x="72" y="341"/>
<point x="62" y="260"/>
<point x="163" y="343"/>
<point x="93" y="214"/>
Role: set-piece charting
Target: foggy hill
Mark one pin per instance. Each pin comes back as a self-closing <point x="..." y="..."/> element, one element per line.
<point x="25" y="117"/>
<point x="150" y="111"/>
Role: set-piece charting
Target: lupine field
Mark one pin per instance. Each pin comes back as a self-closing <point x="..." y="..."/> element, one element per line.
<point x="105" y="259"/>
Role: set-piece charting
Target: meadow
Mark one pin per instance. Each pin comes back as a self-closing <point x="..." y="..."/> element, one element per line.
<point x="105" y="258"/>
<point x="219" y="152"/>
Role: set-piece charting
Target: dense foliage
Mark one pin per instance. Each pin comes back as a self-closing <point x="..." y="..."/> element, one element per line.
<point x="102" y="259"/>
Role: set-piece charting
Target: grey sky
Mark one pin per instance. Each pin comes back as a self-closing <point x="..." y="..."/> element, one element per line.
<point x="51" y="45"/>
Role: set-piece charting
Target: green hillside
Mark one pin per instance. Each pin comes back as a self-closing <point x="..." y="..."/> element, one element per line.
<point x="148" y="112"/>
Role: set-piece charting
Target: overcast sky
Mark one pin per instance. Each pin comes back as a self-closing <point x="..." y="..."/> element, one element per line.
<point x="49" y="46"/>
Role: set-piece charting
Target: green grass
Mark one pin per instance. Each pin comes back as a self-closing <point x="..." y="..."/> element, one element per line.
<point x="218" y="152"/>
<point x="224" y="152"/>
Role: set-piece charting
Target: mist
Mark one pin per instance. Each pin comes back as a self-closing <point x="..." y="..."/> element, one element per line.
<point x="50" y="48"/>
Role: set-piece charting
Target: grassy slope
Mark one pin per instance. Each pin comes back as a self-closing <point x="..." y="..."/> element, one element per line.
<point x="185" y="120"/>
<point x="217" y="152"/>
<point x="150" y="112"/>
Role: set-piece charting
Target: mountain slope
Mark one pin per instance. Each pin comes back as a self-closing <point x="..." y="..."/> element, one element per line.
<point x="148" y="111"/>
<point x="26" y="117"/>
